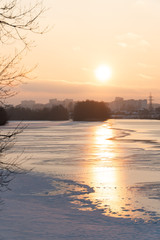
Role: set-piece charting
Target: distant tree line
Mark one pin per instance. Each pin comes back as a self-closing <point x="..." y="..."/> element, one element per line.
<point x="88" y="110"/>
<point x="56" y="113"/>
<point x="83" y="111"/>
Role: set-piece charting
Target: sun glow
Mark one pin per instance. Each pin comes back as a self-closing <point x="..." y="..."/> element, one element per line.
<point x="103" y="73"/>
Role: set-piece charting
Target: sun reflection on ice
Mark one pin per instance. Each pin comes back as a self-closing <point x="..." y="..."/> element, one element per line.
<point x="104" y="146"/>
<point x="104" y="174"/>
<point x="110" y="194"/>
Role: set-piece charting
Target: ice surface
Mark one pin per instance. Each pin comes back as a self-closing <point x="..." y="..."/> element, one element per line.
<point x="89" y="181"/>
<point x="32" y="212"/>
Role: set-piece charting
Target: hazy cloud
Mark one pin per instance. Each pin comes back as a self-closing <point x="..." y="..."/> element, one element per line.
<point x="74" y="82"/>
<point x="132" y="40"/>
<point x="144" y="43"/>
<point x="122" y="44"/>
<point x="144" y="65"/>
<point x="128" y="35"/>
<point x="61" y="90"/>
<point x="56" y="85"/>
<point x="144" y="76"/>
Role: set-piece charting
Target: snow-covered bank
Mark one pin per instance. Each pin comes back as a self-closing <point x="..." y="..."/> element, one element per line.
<point x="35" y="209"/>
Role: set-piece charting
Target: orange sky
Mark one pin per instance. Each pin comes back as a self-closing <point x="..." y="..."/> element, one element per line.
<point x="123" y="34"/>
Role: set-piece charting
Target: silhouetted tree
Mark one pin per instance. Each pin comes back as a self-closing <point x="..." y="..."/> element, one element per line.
<point x="59" y="113"/>
<point x="3" y="116"/>
<point x="15" y="22"/>
<point x="91" y="111"/>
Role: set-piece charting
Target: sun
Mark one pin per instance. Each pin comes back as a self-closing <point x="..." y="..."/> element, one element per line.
<point x="103" y="73"/>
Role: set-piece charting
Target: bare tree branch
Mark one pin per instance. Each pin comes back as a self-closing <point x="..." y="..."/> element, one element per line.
<point x="16" y="21"/>
<point x="11" y="75"/>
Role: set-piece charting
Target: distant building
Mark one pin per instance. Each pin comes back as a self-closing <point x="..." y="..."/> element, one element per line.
<point x="38" y="106"/>
<point x="150" y="105"/>
<point x="156" y="105"/>
<point x="53" y="102"/>
<point x="69" y="104"/>
<point x="28" y="104"/>
<point x="117" y="104"/>
<point x="131" y="105"/>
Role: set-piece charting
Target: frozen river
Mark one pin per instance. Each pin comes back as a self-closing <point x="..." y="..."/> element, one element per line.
<point x="110" y="167"/>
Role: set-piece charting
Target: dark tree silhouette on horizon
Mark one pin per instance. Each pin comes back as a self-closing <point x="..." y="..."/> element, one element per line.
<point x="90" y="110"/>
<point x="3" y="116"/>
<point x="56" y="113"/>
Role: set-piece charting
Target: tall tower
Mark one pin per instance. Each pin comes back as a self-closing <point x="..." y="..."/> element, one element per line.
<point x="150" y="102"/>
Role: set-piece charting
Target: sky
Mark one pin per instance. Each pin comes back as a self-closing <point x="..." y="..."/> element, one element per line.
<point x="123" y="35"/>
